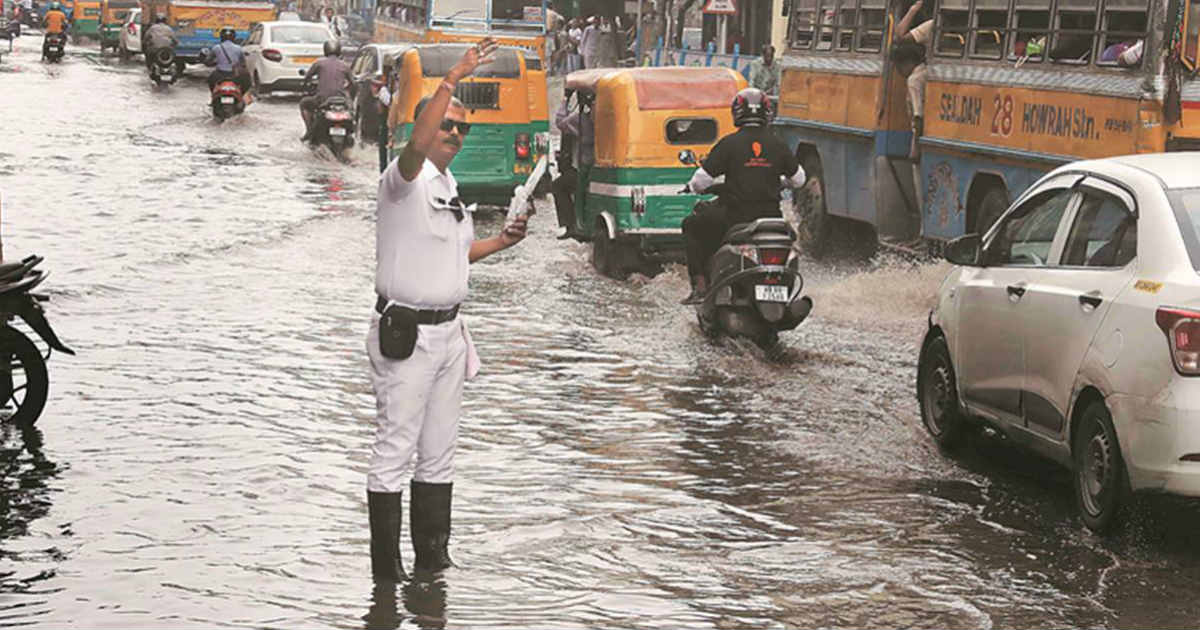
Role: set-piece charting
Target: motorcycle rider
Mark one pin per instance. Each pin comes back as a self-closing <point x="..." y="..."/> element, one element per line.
<point x="156" y="38"/>
<point x="333" y="79"/>
<point x="229" y="60"/>
<point x="752" y="159"/>
<point x="56" y="23"/>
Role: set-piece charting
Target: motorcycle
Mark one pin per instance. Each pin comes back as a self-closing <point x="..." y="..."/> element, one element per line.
<point x="227" y="100"/>
<point x="163" y="67"/>
<point x="56" y="46"/>
<point x="334" y="126"/>
<point x="24" y="382"/>
<point x="754" y="281"/>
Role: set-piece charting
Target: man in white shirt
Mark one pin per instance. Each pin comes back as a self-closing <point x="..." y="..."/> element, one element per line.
<point x="424" y="245"/>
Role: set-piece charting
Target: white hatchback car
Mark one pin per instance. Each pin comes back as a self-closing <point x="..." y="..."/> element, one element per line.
<point x="278" y="53"/>
<point x="131" y="35"/>
<point x="1073" y="328"/>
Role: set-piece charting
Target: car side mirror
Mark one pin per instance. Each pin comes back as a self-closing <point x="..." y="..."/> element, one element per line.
<point x="686" y="156"/>
<point x="965" y="250"/>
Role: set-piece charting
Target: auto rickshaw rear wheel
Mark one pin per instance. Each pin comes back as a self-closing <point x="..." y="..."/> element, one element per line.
<point x="24" y="383"/>
<point x="606" y="255"/>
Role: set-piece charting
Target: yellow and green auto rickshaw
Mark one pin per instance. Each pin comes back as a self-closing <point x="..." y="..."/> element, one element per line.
<point x="506" y="138"/>
<point x="112" y="19"/>
<point x="630" y="202"/>
<point x="85" y="20"/>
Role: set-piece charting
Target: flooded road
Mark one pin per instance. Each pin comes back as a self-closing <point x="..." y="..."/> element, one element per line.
<point x="202" y="461"/>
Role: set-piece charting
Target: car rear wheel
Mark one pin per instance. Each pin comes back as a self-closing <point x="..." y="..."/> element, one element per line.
<point x="1101" y="482"/>
<point x="938" y="390"/>
<point x="258" y="87"/>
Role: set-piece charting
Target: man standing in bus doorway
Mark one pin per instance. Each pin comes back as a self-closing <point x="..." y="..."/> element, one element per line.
<point x="425" y="242"/>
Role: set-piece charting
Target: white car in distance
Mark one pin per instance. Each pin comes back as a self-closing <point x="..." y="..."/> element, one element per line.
<point x="1073" y="329"/>
<point x="130" y="43"/>
<point x="278" y="53"/>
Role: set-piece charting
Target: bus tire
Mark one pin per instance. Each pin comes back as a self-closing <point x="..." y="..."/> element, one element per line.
<point x="813" y="222"/>
<point x="993" y="204"/>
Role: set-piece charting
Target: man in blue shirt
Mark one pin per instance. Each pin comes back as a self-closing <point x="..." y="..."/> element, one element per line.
<point x="227" y="56"/>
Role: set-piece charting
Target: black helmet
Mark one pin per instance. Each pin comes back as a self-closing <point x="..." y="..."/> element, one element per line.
<point x="160" y="19"/>
<point x="228" y="34"/>
<point x="333" y="48"/>
<point x="751" y="107"/>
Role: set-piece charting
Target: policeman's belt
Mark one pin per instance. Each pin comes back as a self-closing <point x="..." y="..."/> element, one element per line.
<point x="427" y="317"/>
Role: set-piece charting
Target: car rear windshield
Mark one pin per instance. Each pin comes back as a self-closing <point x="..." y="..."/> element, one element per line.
<point x="436" y="62"/>
<point x="299" y="34"/>
<point x="1186" y="203"/>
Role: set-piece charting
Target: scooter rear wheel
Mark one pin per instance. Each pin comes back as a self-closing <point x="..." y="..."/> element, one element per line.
<point x="24" y="382"/>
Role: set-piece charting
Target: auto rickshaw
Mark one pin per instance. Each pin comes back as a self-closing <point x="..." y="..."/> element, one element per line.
<point x="629" y="202"/>
<point x="112" y="20"/>
<point x="85" y="21"/>
<point x="505" y="141"/>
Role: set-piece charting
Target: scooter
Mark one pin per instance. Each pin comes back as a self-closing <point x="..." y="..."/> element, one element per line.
<point x="334" y="126"/>
<point x="227" y="100"/>
<point x="24" y="382"/>
<point x="163" y="68"/>
<point x="56" y="46"/>
<point x="754" y="282"/>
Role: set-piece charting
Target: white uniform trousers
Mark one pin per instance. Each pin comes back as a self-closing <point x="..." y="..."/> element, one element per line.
<point x="418" y="402"/>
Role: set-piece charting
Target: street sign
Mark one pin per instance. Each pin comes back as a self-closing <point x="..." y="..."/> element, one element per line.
<point x="721" y="7"/>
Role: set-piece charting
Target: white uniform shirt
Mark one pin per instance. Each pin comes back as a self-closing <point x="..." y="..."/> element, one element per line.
<point x="421" y="250"/>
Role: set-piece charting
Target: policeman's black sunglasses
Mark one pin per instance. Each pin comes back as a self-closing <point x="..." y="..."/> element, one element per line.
<point x="455" y="205"/>
<point x="463" y="127"/>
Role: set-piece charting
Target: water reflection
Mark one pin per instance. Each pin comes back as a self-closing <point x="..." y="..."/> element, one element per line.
<point x="25" y="473"/>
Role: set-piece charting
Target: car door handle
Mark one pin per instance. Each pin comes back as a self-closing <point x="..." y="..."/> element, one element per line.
<point x="1016" y="290"/>
<point x="1090" y="299"/>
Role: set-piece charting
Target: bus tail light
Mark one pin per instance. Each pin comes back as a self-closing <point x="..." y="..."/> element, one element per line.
<point x="521" y="146"/>
<point x="1182" y="328"/>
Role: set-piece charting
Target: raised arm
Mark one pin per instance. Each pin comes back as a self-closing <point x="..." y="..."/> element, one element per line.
<point x="426" y="126"/>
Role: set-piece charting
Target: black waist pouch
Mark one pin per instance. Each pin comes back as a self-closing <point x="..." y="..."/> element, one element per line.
<point x="397" y="332"/>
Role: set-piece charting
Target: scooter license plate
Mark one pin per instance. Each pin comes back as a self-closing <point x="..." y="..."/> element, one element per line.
<point x="770" y="293"/>
<point x="337" y="131"/>
<point x="228" y="100"/>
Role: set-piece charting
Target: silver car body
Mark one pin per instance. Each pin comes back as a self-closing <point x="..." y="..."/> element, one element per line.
<point x="1034" y="339"/>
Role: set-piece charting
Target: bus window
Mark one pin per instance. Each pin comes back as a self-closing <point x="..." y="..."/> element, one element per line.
<point x="1192" y="44"/>
<point x="953" y="18"/>
<point x="1074" y="32"/>
<point x="1121" y="30"/>
<point x="846" y="22"/>
<point x="802" y="23"/>
<point x="1031" y="23"/>
<point x="872" y="19"/>
<point x="989" y="30"/>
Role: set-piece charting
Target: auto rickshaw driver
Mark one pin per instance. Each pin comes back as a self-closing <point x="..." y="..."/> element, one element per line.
<point x="752" y="159"/>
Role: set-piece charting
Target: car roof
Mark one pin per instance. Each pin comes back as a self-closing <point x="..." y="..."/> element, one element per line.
<point x="1174" y="170"/>
<point x="294" y="23"/>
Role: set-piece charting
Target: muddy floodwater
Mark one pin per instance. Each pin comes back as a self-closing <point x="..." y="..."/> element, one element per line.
<point x="202" y="460"/>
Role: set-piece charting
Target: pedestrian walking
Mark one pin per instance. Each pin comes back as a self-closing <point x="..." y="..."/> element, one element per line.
<point x="420" y="351"/>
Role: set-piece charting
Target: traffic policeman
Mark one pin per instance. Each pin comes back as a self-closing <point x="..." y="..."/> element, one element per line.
<point x="420" y="352"/>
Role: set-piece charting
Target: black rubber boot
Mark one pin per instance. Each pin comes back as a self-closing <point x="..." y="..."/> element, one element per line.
<point x="383" y="512"/>
<point x="430" y="524"/>
<point x="699" y="290"/>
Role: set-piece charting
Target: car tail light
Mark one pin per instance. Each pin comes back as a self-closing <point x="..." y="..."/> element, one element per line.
<point x="1182" y="327"/>
<point x="773" y="255"/>
<point x="272" y="55"/>
<point x="521" y="146"/>
<point x="638" y="197"/>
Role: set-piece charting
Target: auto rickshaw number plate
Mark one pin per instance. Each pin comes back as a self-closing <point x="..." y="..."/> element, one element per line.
<point x="770" y="293"/>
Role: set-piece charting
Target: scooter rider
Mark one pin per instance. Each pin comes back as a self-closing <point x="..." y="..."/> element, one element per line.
<point x="56" y="23"/>
<point x="158" y="37"/>
<point x="230" y="61"/>
<point x="333" y="79"/>
<point x="752" y="159"/>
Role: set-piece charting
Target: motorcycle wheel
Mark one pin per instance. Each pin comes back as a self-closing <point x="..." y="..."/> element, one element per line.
<point x="24" y="382"/>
